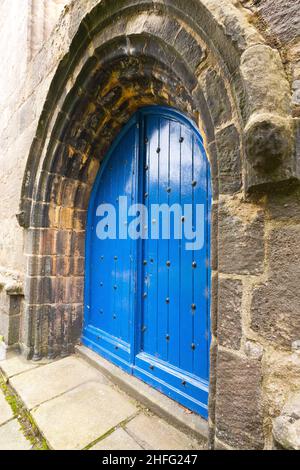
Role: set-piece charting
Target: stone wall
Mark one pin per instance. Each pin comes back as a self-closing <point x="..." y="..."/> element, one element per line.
<point x="233" y="67"/>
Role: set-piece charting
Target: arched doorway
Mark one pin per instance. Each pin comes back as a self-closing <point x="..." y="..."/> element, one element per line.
<point x="147" y="302"/>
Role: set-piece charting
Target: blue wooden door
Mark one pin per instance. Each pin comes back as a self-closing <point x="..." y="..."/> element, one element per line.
<point x="147" y="299"/>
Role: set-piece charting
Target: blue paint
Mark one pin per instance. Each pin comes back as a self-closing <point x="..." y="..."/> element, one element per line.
<point x="147" y="302"/>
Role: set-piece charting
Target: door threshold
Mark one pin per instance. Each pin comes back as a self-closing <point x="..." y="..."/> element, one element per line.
<point x="160" y="404"/>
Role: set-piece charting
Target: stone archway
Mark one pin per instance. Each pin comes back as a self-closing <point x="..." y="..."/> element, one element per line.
<point x="200" y="57"/>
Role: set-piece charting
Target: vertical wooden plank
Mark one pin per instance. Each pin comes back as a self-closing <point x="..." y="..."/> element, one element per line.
<point x="174" y="248"/>
<point x="186" y="317"/>
<point x="150" y="294"/>
<point x="164" y="302"/>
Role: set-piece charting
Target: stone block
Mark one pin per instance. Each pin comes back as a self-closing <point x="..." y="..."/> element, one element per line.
<point x="282" y="378"/>
<point x="229" y="160"/>
<point x="286" y="428"/>
<point x="189" y="48"/>
<point x="230" y="313"/>
<point x="282" y="17"/>
<point x="241" y="240"/>
<point x="13" y="329"/>
<point x="64" y="238"/>
<point x="284" y="205"/>
<point x="217" y="98"/>
<point x="275" y="304"/>
<point x="239" y="414"/>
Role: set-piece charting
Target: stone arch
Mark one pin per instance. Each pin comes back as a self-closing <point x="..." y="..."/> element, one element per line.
<point x="201" y="57"/>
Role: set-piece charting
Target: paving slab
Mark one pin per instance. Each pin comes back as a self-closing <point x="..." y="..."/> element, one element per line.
<point x="44" y="383"/>
<point x="16" y="364"/>
<point x="12" y="438"/>
<point x="155" y="434"/>
<point x="5" y="410"/>
<point x="79" y="417"/>
<point x="118" y="440"/>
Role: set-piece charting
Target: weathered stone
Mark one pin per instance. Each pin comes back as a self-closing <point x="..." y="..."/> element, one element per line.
<point x="254" y="350"/>
<point x="217" y="98"/>
<point x="214" y="236"/>
<point x="212" y="392"/>
<point x="229" y="160"/>
<point x="266" y="92"/>
<point x="230" y="313"/>
<point x="214" y="303"/>
<point x="284" y="206"/>
<point x="189" y="48"/>
<point x="282" y="16"/>
<point x="296" y="92"/>
<point x="13" y="335"/>
<point x="268" y="141"/>
<point x="286" y="428"/>
<point x="275" y="304"/>
<point x="296" y="346"/>
<point x="166" y="28"/>
<point x="241" y="240"/>
<point x="239" y="416"/>
<point x="282" y="376"/>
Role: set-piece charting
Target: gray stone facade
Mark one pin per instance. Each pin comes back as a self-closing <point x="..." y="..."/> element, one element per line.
<point x="233" y="67"/>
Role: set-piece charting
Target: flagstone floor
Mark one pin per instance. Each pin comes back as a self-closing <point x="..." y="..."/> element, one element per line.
<point x="74" y="407"/>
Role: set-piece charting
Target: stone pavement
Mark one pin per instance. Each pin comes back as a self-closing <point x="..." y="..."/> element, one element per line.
<point x="75" y="407"/>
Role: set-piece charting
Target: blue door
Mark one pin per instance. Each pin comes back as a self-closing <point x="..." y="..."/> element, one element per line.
<point x="147" y="289"/>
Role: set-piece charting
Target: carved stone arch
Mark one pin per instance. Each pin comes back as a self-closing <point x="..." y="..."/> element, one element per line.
<point x="201" y="57"/>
